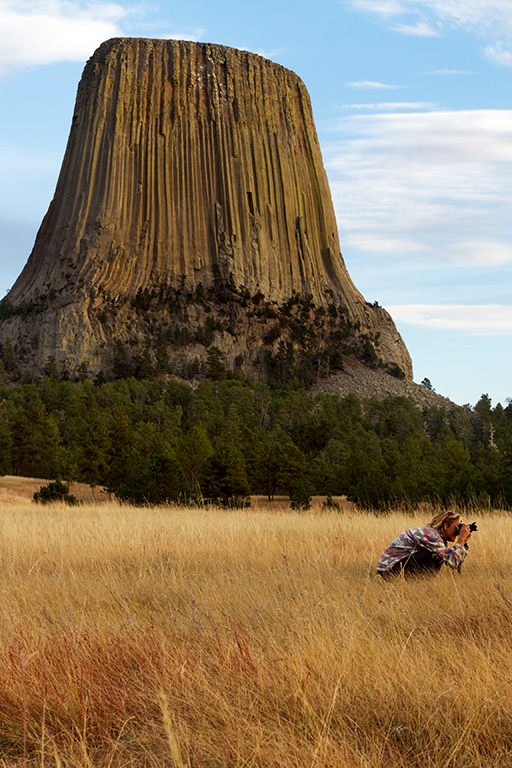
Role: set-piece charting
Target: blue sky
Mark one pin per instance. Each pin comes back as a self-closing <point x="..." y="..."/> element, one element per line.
<point x="412" y="103"/>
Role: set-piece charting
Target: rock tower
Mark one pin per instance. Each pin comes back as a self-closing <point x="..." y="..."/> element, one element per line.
<point x="192" y="213"/>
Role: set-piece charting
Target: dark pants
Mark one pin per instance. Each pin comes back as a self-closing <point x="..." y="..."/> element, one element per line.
<point x="419" y="563"/>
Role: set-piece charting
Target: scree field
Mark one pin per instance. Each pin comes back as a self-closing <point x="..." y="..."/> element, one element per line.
<point x="221" y="639"/>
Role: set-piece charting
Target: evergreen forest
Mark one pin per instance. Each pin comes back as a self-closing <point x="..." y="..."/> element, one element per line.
<point x="154" y="441"/>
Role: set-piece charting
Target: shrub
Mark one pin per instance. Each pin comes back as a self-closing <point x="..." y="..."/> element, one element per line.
<point x="56" y="491"/>
<point x="329" y="505"/>
<point x="301" y="499"/>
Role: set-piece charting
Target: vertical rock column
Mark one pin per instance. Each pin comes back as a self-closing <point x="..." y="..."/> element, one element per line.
<point x="184" y="158"/>
<point x="187" y="162"/>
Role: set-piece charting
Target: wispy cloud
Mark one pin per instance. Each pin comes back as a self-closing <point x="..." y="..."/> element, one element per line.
<point x="467" y="13"/>
<point x="491" y="19"/>
<point x="498" y="54"/>
<point x="470" y="320"/>
<point x="392" y="106"/>
<point x="266" y="53"/>
<point x="195" y="34"/>
<point x="450" y="72"/>
<point x="420" y="29"/>
<point x="434" y="187"/>
<point x="372" y="84"/>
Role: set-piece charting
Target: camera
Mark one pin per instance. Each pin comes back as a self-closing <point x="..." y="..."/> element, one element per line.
<point x="472" y="527"/>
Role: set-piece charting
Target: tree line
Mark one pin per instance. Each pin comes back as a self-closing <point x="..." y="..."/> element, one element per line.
<point x="156" y="441"/>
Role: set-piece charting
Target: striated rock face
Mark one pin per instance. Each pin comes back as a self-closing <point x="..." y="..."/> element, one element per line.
<point x="192" y="208"/>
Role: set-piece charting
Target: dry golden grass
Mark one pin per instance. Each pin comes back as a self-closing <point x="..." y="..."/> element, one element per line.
<point x="179" y="637"/>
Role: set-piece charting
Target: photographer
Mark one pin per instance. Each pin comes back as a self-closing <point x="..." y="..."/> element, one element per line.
<point x="422" y="551"/>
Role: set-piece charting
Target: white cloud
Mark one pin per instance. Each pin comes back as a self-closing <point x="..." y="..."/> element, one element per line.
<point x="464" y="13"/>
<point x="267" y="54"/>
<point x="46" y="31"/>
<point x="498" y="55"/>
<point x="384" y="8"/>
<point x="433" y="187"/>
<point x="475" y="252"/>
<point x="450" y="72"/>
<point x="371" y="84"/>
<point x="468" y="319"/>
<point x="420" y="29"/>
<point x="490" y="19"/>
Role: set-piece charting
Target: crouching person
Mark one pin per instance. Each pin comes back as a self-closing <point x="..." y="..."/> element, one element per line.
<point x="422" y="551"/>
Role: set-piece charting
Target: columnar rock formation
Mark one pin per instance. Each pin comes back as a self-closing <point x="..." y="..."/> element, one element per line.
<point x="192" y="181"/>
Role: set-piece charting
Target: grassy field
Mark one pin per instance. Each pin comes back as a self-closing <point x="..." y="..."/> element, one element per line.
<point x="179" y="637"/>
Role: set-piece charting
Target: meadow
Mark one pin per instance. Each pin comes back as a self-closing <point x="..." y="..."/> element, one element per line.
<point x="220" y="639"/>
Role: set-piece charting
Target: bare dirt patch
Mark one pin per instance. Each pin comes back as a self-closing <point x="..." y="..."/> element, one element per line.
<point x="14" y="489"/>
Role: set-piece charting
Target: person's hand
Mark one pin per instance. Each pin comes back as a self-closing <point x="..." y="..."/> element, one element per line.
<point x="464" y="534"/>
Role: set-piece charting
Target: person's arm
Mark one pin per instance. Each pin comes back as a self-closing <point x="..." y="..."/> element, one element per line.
<point x="430" y="539"/>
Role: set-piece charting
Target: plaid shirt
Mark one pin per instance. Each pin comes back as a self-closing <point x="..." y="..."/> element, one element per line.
<point x="421" y="538"/>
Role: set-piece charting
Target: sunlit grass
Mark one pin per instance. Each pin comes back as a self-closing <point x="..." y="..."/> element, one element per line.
<point x="184" y="637"/>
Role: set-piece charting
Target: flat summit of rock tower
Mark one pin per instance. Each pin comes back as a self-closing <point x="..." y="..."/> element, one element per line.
<point x="192" y="225"/>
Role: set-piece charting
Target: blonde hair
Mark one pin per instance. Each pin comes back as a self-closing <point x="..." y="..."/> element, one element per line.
<point x="448" y="516"/>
